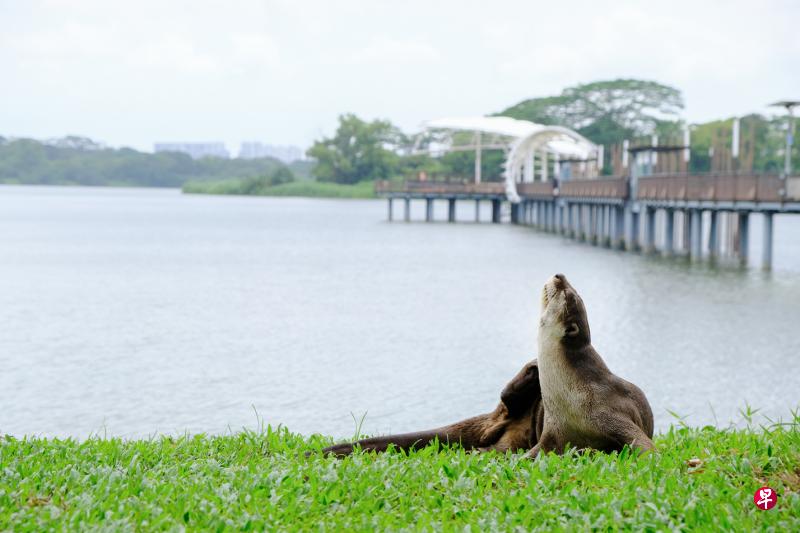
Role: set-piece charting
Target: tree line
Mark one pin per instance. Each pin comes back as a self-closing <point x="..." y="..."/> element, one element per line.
<point x="80" y="161"/>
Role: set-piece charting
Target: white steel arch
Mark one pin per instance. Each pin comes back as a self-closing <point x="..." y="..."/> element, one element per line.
<point x="555" y="141"/>
<point x="521" y="140"/>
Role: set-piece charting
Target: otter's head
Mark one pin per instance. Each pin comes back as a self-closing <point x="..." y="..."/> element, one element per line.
<point x="563" y="317"/>
<point x="523" y="391"/>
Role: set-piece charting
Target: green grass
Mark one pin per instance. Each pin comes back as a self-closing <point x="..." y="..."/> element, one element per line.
<point x="312" y="189"/>
<point x="262" y="480"/>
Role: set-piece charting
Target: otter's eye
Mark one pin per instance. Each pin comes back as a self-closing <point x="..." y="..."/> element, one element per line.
<point x="572" y="330"/>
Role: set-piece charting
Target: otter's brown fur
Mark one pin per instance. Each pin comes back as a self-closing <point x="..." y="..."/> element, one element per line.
<point x="511" y="426"/>
<point x="585" y="404"/>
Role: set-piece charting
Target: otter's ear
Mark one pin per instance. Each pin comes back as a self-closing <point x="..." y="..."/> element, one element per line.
<point x="572" y="329"/>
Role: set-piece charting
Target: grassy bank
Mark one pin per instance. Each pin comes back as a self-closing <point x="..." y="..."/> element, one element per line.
<point x="253" y="481"/>
<point x="311" y="189"/>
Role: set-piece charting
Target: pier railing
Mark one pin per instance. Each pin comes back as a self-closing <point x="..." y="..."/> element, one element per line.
<point x="422" y="188"/>
<point x="712" y="188"/>
<point x="615" y="188"/>
<point x="536" y="189"/>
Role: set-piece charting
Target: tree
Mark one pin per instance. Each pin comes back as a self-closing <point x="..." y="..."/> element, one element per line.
<point x="606" y="112"/>
<point x="260" y="184"/>
<point x="358" y="151"/>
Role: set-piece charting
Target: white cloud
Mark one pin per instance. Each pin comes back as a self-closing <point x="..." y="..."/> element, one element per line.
<point x="173" y="53"/>
<point x="386" y="51"/>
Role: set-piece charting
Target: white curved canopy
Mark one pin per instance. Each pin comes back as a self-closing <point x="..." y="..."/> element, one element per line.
<point x="561" y="142"/>
<point x="522" y="140"/>
<point x="507" y="126"/>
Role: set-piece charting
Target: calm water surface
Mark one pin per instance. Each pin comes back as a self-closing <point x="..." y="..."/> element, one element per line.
<point x="135" y="312"/>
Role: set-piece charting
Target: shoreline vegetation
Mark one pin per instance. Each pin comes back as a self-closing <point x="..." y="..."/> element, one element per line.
<point x="258" y="187"/>
<point x="701" y="478"/>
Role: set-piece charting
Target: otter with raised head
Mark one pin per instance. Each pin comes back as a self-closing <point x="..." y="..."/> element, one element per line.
<point x="585" y="404"/>
<point x="511" y="426"/>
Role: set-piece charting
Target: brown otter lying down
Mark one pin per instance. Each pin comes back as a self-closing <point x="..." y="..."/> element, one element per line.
<point x="515" y="424"/>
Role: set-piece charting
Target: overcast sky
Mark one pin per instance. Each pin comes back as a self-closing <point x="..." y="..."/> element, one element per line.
<point x="131" y="73"/>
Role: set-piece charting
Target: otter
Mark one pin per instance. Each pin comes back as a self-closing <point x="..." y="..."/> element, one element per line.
<point x="511" y="426"/>
<point x="585" y="404"/>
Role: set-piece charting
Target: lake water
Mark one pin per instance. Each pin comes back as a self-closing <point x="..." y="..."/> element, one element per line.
<point x="134" y="312"/>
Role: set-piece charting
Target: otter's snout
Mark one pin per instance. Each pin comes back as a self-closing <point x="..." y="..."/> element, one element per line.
<point x="558" y="282"/>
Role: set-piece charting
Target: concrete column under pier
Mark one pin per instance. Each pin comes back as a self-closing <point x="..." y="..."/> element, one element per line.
<point x="545" y="215"/>
<point x="669" y="232"/>
<point x="407" y="209"/>
<point x="744" y="236"/>
<point x="650" y="230"/>
<point x="569" y="219"/>
<point x="579" y="231"/>
<point x="540" y="215"/>
<point x="561" y="219"/>
<point x="686" y="228"/>
<point x="428" y="209"/>
<point x="577" y="225"/>
<point x="451" y="209"/>
<point x="477" y="210"/>
<point x="635" y="245"/>
<point x="632" y="231"/>
<point x="548" y="217"/>
<point x="496" y="204"/>
<point x="696" y="234"/>
<point x="391" y="204"/>
<point x="766" y="251"/>
<point x="618" y="241"/>
<point x="713" y="235"/>
<point x="604" y="226"/>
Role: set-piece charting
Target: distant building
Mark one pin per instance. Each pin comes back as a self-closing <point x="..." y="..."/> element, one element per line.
<point x="254" y="150"/>
<point x="195" y="150"/>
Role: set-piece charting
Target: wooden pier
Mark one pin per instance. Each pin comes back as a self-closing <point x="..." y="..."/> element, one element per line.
<point x="626" y="212"/>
